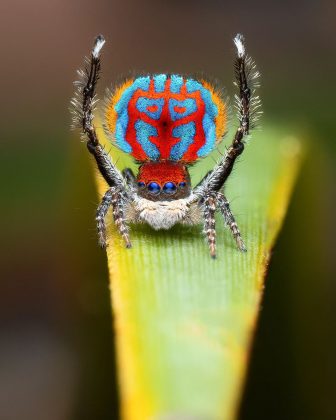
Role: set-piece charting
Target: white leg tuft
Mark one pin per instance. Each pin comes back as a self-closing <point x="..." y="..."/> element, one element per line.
<point x="239" y="43"/>
<point x="98" y="45"/>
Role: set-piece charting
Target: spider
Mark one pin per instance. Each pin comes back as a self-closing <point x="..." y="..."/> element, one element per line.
<point x="166" y="122"/>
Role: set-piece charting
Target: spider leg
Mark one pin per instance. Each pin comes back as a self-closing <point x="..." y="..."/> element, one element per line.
<point x="247" y="104"/>
<point x="100" y="216"/>
<point x="224" y="207"/>
<point x="83" y="105"/>
<point x="118" y="204"/>
<point x="210" y="223"/>
<point x="113" y="197"/>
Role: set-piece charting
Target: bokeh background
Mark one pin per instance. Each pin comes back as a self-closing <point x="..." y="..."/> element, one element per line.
<point x="56" y="343"/>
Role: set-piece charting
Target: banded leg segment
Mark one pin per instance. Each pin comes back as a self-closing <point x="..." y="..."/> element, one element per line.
<point x="118" y="204"/>
<point x="114" y="198"/>
<point x="101" y="214"/>
<point x="210" y="223"/>
<point x="224" y="207"/>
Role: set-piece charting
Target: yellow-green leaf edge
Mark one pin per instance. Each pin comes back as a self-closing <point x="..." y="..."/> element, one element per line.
<point x="184" y="322"/>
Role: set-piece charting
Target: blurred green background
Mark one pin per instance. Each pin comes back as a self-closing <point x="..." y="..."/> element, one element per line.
<point x="56" y="345"/>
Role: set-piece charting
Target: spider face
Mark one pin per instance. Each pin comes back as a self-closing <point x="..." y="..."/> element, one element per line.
<point x="169" y="190"/>
<point x="166" y="122"/>
<point x="163" y="181"/>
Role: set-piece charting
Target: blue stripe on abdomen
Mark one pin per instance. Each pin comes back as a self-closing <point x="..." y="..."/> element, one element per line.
<point x="143" y="133"/>
<point x="159" y="82"/>
<point x="176" y="83"/>
<point x="209" y="128"/>
<point x="208" y="122"/>
<point x="120" y="132"/>
<point x="121" y="109"/>
<point x="186" y="134"/>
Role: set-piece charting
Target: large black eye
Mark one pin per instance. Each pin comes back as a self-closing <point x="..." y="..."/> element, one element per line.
<point x="154" y="188"/>
<point x="169" y="188"/>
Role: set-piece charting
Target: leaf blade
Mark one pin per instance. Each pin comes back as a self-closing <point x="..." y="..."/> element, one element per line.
<point x="183" y="321"/>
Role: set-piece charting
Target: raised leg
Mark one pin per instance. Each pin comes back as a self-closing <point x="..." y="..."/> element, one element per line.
<point x="224" y="207"/>
<point x="83" y="105"/>
<point x="246" y="103"/>
<point x="210" y="223"/>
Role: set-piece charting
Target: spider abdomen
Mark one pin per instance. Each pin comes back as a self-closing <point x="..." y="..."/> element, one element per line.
<point x="166" y="117"/>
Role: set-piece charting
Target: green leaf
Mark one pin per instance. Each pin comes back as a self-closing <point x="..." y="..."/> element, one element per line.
<point x="184" y="322"/>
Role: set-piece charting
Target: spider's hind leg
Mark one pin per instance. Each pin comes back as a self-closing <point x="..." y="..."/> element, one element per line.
<point x="224" y="207"/>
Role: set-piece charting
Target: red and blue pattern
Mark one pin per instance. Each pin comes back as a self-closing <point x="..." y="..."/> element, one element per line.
<point x="166" y="118"/>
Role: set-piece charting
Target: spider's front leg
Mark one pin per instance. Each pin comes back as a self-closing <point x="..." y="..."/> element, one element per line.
<point x="115" y="198"/>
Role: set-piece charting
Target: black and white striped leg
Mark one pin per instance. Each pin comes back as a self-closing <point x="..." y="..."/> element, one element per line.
<point x="210" y="223"/>
<point x="224" y="207"/>
<point x="118" y="204"/>
<point x="101" y="214"/>
<point x="114" y="198"/>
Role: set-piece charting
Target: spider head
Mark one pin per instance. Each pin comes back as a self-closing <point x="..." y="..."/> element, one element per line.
<point x="163" y="181"/>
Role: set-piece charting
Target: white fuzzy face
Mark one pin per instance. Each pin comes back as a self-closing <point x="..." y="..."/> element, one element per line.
<point x="163" y="214"/>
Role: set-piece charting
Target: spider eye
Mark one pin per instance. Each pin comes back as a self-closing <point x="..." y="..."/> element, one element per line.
<point x="141" y="184"/>
<point x="169" y="188"/>
<point x="154" y="188"/>
<point x="182" y="184"/>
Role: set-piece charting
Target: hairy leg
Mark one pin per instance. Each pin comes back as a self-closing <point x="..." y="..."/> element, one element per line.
<point x="116" y="199"/>
<point x="118" y="204"/>
<point x="246" y="103"/>
<point x="101" y="214"/>
<point x="83" y="105"/>
<point x="210" y="223"/>
<point x="224" y="207"/>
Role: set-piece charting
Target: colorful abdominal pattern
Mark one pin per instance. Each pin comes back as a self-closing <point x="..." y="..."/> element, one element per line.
<point x="164" y="117"/>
